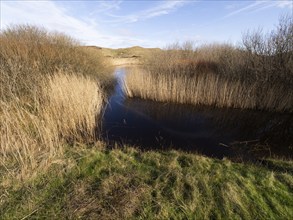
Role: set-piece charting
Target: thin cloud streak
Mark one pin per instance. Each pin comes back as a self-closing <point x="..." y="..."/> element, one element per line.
<point x="284" y="4"/>
<point x="261" y="5"/>
<point x="159" y="10"/>
<point x="106" y="6"/>
<point x="246" y="8"/>
<point x="276" y="4"/>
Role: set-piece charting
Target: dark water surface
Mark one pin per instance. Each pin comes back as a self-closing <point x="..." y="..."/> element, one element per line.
<point x="210" y="131"/>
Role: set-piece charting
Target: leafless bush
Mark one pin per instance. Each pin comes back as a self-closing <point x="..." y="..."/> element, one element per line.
<point x="49" y="95"/>
<point x="257" y="75"/>
<point x="270" y="55"/>
<point x="28" y="53"/>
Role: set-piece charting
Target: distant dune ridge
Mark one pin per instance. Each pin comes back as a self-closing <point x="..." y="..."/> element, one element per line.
<point x="125" y="56"/>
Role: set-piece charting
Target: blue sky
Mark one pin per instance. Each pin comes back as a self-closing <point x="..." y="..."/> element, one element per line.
<point x="118" y="24"/>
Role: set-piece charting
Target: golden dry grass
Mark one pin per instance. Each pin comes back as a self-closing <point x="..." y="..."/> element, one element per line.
<point x="257" y="75"/>
<point x="50" y="96"/>
<point x="125" y="61"/>
<point x="67" y="111"/>
<point x="72" y="104"/>
<point x="206" y="89"/>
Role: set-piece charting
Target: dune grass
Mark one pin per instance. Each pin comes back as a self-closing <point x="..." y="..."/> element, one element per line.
<point x="50" y="95"/>
<point x="256" y="75"/>
<point x="130" y="184"/>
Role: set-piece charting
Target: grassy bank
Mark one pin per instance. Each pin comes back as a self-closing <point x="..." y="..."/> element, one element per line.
<point x="50" y="94"/>
<point x="257" y="74"/>
<point x="129" y="184"/>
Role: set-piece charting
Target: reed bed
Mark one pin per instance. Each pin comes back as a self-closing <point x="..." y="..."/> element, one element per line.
<point x="50" y="95"/>
<point x="68" y="107"/>
<point x="207" y="89"/>
<point x="256" y="75"/>
<point x="72" y="103"/>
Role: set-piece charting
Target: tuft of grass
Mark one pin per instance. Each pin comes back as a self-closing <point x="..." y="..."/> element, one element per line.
<point x="130" y="184"/>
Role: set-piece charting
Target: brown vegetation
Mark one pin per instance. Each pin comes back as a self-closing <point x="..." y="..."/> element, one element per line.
<point x="49" y="97"/>
<point x="257" y="75"/>
<point x="126" y="56"/>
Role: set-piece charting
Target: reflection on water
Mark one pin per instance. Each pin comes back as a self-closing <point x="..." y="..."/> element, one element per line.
<point x="210" y="131"/>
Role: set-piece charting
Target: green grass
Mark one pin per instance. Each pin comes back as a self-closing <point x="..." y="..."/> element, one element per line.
<point x="130" y="184"/>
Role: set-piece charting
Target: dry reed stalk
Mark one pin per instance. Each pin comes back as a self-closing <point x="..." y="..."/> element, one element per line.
<point x="32" y="140"/>
<point x="72" y="105"/>
<point x="206" y="89"/>
<point x="256" y="75"/>
<point x="49" y="97"/>
<point x="26" y="139"/>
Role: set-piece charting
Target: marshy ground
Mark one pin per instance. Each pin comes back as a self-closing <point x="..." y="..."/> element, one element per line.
<point x="211" y="131"/>
<point x="55" y="164"/>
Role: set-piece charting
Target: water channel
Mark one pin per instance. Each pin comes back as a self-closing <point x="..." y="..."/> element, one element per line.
<point x="214" y="132"/>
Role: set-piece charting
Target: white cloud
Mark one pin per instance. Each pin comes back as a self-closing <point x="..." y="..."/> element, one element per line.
<point x="163" y="8"/>
<point x="104" y="6"/>
<point x="53" y="17"/>
<point x="284" y="4"/>
<point x="246" y="8"/>
<point x="262" y="5"/>
<point x="46" y="14"/>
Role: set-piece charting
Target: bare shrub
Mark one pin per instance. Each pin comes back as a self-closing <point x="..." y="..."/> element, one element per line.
<point x="50" y="95"/>
<point x="257" y="75"/>
<point x="269" y="55"/>
<point x="28" y="53"/>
